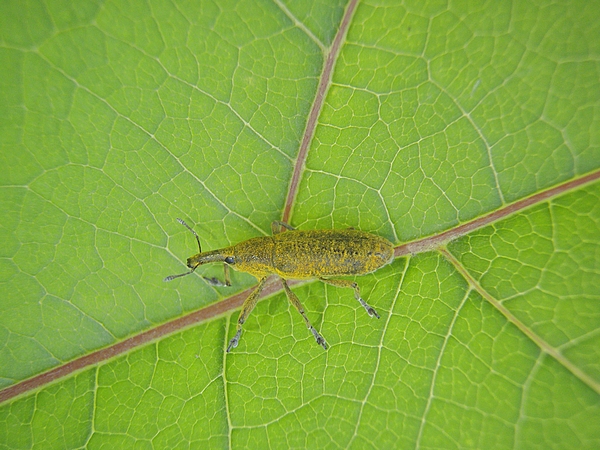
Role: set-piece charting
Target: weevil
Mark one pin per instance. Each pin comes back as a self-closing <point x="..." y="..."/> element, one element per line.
<point x="297" y="254"/>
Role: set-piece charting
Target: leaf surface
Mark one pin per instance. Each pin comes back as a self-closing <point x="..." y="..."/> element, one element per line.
<point x="119" y="117"/>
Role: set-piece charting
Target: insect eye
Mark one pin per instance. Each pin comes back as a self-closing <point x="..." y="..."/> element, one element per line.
<point x="230" y="260"/>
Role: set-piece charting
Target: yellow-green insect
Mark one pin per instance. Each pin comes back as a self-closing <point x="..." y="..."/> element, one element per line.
<point x="297" y="254"/>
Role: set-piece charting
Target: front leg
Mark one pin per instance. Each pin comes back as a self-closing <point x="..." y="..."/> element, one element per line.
<point x="247" y="308"/>
<point x="214" y="281"/>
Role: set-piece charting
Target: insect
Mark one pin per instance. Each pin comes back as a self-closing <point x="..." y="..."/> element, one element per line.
<point x="297" y="254"/>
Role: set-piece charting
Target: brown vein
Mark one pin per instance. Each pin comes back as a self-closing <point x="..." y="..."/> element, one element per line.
<point x="317" y="106"/>
<point x="229" y="304"/>
<point x="433" y="242"/>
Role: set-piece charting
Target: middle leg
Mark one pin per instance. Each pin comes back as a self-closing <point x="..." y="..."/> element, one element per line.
<point x="293" y="298"/>
<point x="277" y="226"/>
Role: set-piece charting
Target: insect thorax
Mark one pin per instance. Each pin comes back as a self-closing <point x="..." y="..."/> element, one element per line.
<point x="254" y="256"/>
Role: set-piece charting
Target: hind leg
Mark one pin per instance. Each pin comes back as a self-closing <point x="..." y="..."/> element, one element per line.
<point x="353" y="285"/>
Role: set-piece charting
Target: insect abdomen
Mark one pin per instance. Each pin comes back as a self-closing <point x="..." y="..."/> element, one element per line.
<point x="324" y="253"/>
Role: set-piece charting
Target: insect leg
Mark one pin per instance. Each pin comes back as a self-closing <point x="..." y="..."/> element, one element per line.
<point x="293" y="298"/>
<point x="227" y="276"/>
<point x="247" y="308"/>
<point x="214" y="281"/>
<point x="353" y="285"/>
<point x="277" y="226"/>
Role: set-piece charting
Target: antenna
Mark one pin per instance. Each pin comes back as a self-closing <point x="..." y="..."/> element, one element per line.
<point x="181" y="221"/>
<point x="172" y="277"/>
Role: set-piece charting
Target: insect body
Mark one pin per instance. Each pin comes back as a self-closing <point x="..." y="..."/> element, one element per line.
<point x="297" y="254"/>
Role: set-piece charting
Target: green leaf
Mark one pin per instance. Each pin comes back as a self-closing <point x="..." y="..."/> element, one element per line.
<point x="466" y="133"/>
